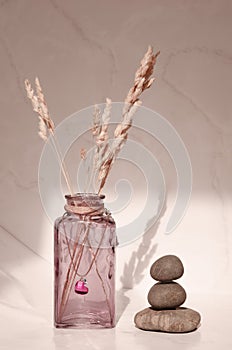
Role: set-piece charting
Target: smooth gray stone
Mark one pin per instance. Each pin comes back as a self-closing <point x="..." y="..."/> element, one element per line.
<point x="167" y="268"/>
<point x="181" y="320"/>
<point x="166" y="295"/>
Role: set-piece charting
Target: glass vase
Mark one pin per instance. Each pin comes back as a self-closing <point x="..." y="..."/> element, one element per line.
<point x="84" y="258"/>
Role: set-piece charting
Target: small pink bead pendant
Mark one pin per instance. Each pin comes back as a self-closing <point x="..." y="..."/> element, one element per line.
<point x="80" y="287"/>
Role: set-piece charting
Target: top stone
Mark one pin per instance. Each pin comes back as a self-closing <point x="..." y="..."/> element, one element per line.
<point x="167" y="268"/>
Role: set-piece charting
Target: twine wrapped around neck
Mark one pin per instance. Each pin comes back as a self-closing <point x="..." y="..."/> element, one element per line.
<point x="92" y="213"/>
<point x="85" y="210"/>
<point x="88" y="206"/>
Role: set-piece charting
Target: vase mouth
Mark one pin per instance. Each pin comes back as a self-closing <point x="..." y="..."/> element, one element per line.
<point x="85" y="204"/>
<point x="83" y="195"/>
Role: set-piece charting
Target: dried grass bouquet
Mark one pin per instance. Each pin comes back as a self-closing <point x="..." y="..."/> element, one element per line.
<point x="105" y="152"/>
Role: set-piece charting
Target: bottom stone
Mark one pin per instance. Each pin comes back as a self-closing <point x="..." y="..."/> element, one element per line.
<point x="179" y="320"/>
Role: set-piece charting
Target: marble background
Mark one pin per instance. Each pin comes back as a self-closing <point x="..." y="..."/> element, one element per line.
<point x="84" y="51"/>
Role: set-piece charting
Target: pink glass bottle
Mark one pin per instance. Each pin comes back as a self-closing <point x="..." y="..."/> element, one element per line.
<point x="84" y="257"/>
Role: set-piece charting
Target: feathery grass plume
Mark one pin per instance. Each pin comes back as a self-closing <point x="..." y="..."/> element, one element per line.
<point x="83" y="153"/>
<point x="44" y="122"/>
<point x="100" y="133"/>
<point x="142" y="81"/>
<point x="121" y="131"/>
<point x="42" y="130"/>
<point x="43" y="105"/>
<point x="96" y="121"/>
<point x="103" y="137"/>
<point x="46" y="125"/>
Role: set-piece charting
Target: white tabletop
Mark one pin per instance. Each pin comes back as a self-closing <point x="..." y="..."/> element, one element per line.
<point x="26" y="313"/>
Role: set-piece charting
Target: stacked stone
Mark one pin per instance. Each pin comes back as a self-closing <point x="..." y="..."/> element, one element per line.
<point x="165" y="298"/>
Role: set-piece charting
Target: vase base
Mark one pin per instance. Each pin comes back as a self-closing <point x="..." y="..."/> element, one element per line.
<point x="84" y="321"/>
<point x="83" y="325"/>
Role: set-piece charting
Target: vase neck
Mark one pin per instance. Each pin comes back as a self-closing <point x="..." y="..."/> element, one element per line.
<point x="89" y="204"/>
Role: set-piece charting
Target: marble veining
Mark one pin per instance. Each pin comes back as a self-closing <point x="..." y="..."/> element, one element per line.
<point x="219" y="54"/>
<point x="73" y="22"/>
<point x="11" y="61"/>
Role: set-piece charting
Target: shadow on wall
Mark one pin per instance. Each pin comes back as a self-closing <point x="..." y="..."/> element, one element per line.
<point x="138" y="263"/>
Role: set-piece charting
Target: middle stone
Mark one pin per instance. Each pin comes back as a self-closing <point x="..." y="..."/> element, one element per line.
<point x="166" y="295"/>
